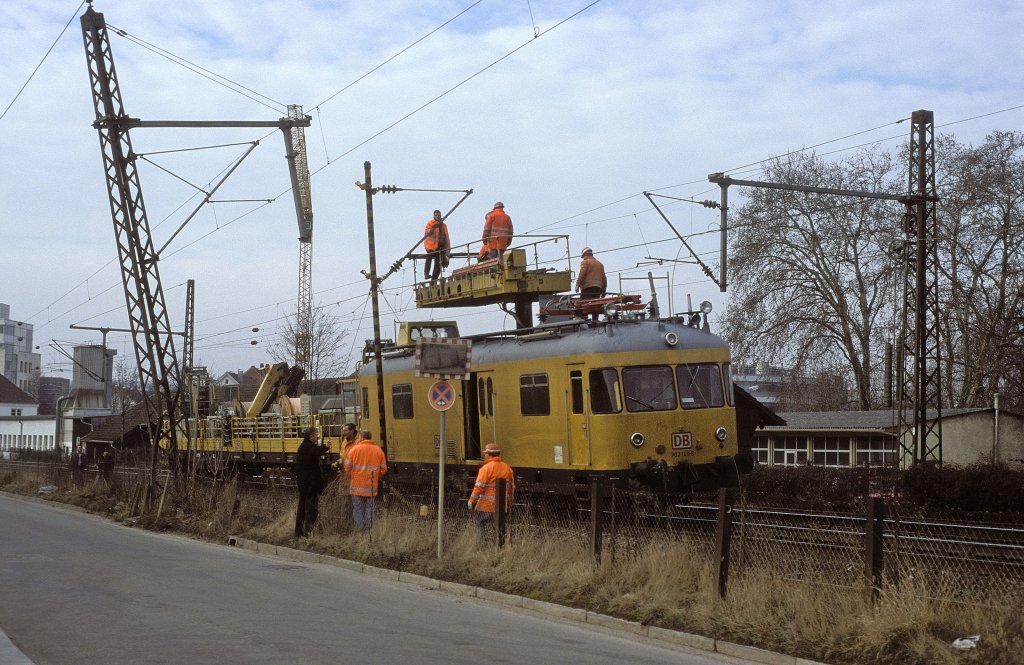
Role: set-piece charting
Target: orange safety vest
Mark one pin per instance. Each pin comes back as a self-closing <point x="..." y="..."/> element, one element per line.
<point x="485" y="489"/>
<point x="435" y="236"/>
<point x="497" y="230"/>
<point x="365" y="465"/>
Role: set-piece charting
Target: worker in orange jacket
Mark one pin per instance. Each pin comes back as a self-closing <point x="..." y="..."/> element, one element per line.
<point x="497" y="231"/>
<point x="438" y="246"/>
<point x="483" y="501"/>
<point x="364" y="466"/>
<point x="591" y="281"/>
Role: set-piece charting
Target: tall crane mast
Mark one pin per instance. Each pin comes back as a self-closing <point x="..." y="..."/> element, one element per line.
<point x="298" y="168"/>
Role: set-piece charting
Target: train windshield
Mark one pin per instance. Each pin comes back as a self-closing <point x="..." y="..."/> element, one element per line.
<point x="700" y="386"/>
<point x="649" y="388"/>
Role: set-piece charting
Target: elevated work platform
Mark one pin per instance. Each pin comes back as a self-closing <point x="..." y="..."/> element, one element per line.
<point x="504" y="280"/>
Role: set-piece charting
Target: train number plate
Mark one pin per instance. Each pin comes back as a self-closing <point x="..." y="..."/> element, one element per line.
<point x="682" y="440"/>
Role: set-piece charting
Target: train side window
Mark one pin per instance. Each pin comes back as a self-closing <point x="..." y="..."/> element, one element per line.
<point x="727" y="375"/>
<point x="366" y="402"/>
<point x="576" y="390"/>
<point x="490" y="396"/>
<point x="481" y="387"/>
<point x="649" y="388"/>
<point x="401" y="401"/>
<point x="700" y="386"/>
<point x="534" y="395"/>
<point x="604" y="391"/>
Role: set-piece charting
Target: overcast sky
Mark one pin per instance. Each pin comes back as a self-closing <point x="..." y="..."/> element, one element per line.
<point x="608" y="100"/>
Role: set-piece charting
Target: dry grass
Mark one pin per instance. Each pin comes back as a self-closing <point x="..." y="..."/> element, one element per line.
<point x="664" y="581"/>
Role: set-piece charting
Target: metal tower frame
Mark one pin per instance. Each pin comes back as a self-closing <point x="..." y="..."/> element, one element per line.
<point x="298" y="168"/>
<point x="921" y="381"/>
<point x="159" y="372"/>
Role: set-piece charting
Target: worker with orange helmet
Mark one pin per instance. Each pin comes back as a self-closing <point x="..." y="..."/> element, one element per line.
<point x="591" y="281"/>
<point x="483" y="500"/>
<point x="438" y="246"/>
<point x="497" y="230"/>
<point x="364" y="465"/>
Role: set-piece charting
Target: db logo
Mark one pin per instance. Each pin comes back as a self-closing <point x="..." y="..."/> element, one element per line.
<point x="682" y="440"/>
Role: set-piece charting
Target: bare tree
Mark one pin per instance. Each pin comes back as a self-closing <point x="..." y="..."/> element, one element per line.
<point x="981" y="218"/>
<point x="813" y="274"/>
<point x="327" y="334"/>
<point x="125" y="392"/>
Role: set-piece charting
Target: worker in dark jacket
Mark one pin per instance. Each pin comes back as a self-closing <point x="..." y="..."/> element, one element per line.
<point x="310" y="478"/>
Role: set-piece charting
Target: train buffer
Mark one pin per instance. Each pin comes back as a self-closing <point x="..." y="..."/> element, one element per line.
<point x="502" y="280"/>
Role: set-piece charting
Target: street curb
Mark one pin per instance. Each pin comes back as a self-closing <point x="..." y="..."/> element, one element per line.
<point x="673" y="637"/>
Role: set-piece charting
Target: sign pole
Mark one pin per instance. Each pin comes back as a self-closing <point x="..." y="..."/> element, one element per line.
<point x="440" y="490"/>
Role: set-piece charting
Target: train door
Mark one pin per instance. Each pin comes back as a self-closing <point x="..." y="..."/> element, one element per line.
<point x="479" y="426"/>
<point x="577" y="430"/>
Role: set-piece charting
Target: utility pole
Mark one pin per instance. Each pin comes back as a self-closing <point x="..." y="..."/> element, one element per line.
<point x="920" y="363"/>
<point x="378" y="362"/>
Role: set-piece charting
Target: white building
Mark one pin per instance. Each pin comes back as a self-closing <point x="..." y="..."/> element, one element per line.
<point x="18" y="363"/>
<point x="18" y="433"/>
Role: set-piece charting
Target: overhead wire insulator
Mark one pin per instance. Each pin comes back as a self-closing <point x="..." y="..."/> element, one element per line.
<point x="389" y="189"/>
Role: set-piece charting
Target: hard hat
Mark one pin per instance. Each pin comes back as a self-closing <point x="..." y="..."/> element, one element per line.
<point x="492" y="449"/>
<point x="586" y="250"/>
<point x="499" y="204"/>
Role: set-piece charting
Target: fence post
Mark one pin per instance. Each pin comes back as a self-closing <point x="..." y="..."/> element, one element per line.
<point x="596" y="518"/>
<point x="723" y="538"/>
<point x="874" y="556"/>
<point x="500" y="515"/>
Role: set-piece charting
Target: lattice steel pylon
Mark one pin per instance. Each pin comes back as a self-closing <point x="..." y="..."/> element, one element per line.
<point x="159" y="374"/>
<point x="920" y="431"/>
<point x="298" y="168"/>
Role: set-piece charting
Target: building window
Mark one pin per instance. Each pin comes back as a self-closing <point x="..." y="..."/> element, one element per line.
<point x="831" y="451"/>
<point x="576" y="390"/>
<point x="700" y="386"/>
<point x="790" y="451"/>
<point x="604" y="391"/>
<point x="15" y="412"/>
<point x="759" y="451"/>
<point x="649" y="388"/>
<point x="876" y="451"/>
<point x="401" y="401"/>
<point x="534" y="396"/>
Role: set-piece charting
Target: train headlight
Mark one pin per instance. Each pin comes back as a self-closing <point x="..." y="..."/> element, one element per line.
<point x="671" y="339"/>
<point x="611" y="310"/>
<point x="721" y="434"/>
<point x="705" y="307"/>
<point x="637" y="439"/>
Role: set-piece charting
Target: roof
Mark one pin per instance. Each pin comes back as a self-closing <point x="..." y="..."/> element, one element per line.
<point x="112" y="428"/>
<point x="12" y="394"/>
<point x="880" y="419"/>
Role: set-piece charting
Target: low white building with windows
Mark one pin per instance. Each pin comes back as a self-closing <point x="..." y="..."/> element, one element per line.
<point x="870" y="438"/>
<point x="21" y="433"/>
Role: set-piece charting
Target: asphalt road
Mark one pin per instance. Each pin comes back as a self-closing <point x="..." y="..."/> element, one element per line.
<point x="78" y="589"/>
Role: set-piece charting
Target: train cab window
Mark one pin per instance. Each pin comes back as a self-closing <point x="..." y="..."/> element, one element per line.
<point x="730" y="399"/>
<point x="534" y="396"/>
<point x="649" y="388"/>
<point x="700" y="386"/>
<point x="604" y="391"/>
<point x="401" y="400"/>
<point x="576" y="390"/>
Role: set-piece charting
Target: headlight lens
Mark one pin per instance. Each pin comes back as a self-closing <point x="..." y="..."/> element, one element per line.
<point x="637" y="439"/>
<point x="671" y="339"/>
<point x="721" y="434"/>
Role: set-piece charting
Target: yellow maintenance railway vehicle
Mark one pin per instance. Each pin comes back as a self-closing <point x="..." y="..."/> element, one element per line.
<point x="602" y="388"/>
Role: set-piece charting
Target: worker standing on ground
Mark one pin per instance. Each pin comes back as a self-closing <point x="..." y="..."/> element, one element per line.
<point x="364" y="465"/>
<point x="483" y="500"/>
<point x="309" y="476"/>
<point x="591" y="280"/>
<point x="349" y="438"/>
<point x="438" y="246"/>
<point x="497" y="231"/>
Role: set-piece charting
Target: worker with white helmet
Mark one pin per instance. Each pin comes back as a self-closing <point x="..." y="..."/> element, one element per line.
<point x="591" y="280"/>
<point x="483" y="500"/>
